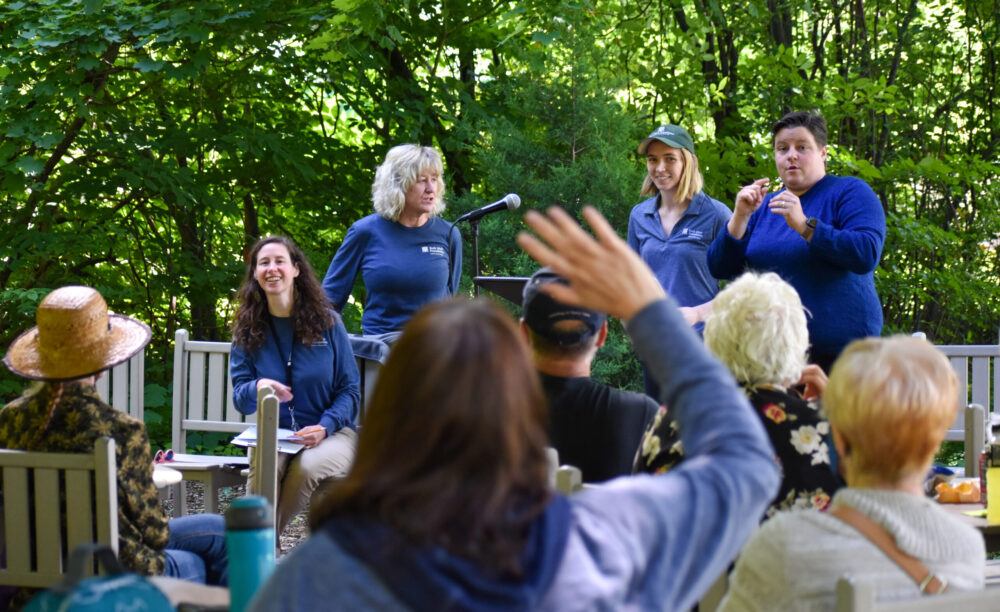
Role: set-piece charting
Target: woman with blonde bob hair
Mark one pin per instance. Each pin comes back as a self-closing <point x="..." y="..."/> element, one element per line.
<point x="758" y="330"/>
<point x="889" y="402"/>
<point x="672" y="229"/>
<point x="406" y="254"/>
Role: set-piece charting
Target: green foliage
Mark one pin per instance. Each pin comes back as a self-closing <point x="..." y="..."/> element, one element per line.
<point x="144" y="146"/>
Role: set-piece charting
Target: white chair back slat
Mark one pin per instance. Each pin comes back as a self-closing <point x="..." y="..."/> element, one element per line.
<point x="196" y="386"/>
<point x="16" y="503"/>
<point x="47" y="524"/>
<point x="106" y="487"/>
<point x="232" y="414"/>
<point x="122" y="386"/>
<point x="80" y="521"/>
<point x="215" y="406"/>
<point x="980" y="391"/>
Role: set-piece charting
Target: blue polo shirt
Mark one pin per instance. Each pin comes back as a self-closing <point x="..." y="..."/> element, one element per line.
<point x="679" y="260"/>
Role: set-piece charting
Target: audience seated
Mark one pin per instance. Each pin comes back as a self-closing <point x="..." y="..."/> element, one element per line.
<point x="889" y="402"/>
<point x="593" y="426"/>
<point x="76" y="339"/>
<point x="758" y="329"/>
<point x="447" y="505"/>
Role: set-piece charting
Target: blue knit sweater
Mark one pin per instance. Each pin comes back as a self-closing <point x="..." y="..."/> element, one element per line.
<point x="833" y="273"/>
<point x="403" y="269"/>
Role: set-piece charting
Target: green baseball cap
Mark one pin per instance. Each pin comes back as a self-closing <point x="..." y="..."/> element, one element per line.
<point x="671" y="135"/>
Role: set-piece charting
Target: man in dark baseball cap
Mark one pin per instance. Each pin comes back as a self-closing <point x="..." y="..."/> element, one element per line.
<point x="593" y="426"/>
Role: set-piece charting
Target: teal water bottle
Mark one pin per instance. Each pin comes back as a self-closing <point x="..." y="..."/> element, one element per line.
<point x="250" y="546"/>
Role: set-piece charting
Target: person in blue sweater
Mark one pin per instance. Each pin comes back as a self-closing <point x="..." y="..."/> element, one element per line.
<point x="673" y="228"/>
<point x="405" y="252"/>
<point x="448" y="506"/>
<point x="286" y="336"/>
<point x="822" y="233"/>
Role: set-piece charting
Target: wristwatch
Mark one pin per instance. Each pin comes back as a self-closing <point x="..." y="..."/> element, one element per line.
<point x="810" y="227"/>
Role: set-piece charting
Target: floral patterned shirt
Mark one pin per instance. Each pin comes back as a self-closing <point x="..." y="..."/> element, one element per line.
<point x="80" y="418"/>
<point x="797" y="432"/>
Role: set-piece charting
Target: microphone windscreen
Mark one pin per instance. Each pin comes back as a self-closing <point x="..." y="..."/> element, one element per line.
<point x="513" y="201"/>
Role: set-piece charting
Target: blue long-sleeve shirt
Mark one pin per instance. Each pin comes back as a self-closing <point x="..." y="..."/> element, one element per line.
<point x="325" y="380"/>
<point x="403" y="268"/>
<point x="640" y="542"/>
<point x="833" y="273"/>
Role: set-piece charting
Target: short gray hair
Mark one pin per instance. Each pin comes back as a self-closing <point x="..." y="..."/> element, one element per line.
<point x="758" y="329"/>
<point x="402" y="167"/>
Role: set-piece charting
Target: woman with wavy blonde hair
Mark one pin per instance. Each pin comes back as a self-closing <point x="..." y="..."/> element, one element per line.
<point x="406" y="254"/>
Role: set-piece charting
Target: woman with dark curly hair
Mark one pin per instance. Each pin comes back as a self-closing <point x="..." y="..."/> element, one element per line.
<point x="286" y="336"/>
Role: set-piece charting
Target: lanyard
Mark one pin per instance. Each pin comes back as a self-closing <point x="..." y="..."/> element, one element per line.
<point x="288" y="366"/>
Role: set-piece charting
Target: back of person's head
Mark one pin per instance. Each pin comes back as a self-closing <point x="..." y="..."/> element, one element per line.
<point x="311" y="308"/>
<point x="452" y="451"/>
<point x="813" y="122"/>
<point x="892" y="399"/>
<point x="557" y="329"/>
<point x="758" y="329"/>
<point x="403" y="165"/>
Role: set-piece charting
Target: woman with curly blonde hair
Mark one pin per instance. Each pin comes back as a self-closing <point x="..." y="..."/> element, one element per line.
<point x="758" y="330"/>
<point x="406" y="254"/>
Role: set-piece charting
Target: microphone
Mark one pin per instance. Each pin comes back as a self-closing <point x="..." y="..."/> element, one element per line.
<point x="509" y="202"/>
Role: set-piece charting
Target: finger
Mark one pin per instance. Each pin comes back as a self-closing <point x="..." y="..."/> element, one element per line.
<point x="562" y="293"/>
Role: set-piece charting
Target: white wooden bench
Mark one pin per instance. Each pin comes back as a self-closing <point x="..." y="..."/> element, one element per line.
<point x="53" y="502"/>
<point x="203" y="401"/>
<point x="122" y="386"/>
<point x="974" y="364"/>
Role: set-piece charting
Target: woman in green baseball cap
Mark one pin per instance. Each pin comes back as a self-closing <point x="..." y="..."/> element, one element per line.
<point x="672" y="229"/>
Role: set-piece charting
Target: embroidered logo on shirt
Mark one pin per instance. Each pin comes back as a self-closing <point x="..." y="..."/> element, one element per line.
<point x="692" y="233"/>
<point x="433" y="250"/>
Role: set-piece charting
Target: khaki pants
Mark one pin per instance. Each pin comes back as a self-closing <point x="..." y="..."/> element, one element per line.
<point x="299" y="475"/>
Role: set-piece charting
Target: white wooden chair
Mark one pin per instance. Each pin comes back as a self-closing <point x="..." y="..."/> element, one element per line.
<point x="858" y="595"/>
<point x="51" y="503"/>
<point x="123" y="386"/>
<point x="203" y="401"/>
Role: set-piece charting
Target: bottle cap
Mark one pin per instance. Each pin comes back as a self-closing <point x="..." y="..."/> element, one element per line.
<point x="250" y="512"/>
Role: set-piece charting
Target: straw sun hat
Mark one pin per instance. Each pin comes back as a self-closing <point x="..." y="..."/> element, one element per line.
<point x="75" y="336"/>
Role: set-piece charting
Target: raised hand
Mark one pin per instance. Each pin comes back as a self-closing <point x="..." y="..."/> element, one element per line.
<point x="604" y="273"/>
